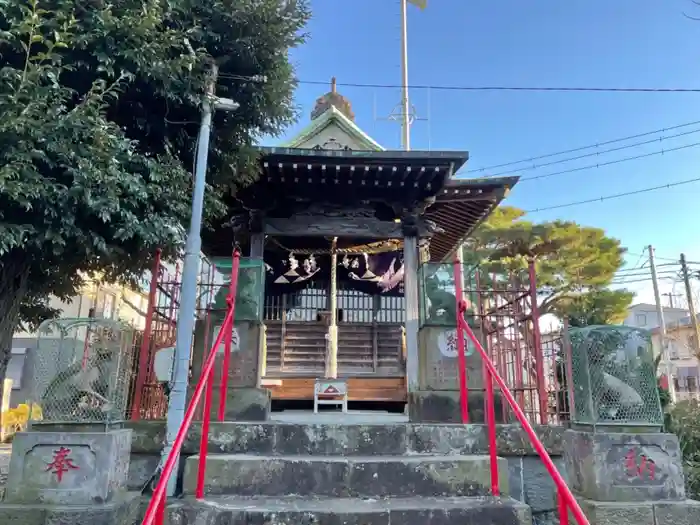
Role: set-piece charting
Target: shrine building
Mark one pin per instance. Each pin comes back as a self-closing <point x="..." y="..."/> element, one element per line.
<point x="343" y="226"/>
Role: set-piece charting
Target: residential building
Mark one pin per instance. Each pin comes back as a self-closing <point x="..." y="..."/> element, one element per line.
<point x="683" y="354"/>
<point x="644" y="315"/>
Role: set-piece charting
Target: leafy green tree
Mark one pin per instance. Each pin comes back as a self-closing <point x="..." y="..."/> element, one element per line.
<point x="99" y="112"/>
<point x="595" y="307"/>
<point x="574" y="263"/>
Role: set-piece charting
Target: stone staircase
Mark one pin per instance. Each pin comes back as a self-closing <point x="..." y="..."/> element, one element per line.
<point x="292" y="474"/>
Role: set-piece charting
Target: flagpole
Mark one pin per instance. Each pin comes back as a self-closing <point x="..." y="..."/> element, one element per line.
<point x="405" y="105"/>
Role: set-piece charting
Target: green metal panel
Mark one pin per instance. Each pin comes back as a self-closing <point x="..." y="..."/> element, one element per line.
<point x="437" y="300"/>
<point x="250" y="291"/>
<point x="614" y="377"/>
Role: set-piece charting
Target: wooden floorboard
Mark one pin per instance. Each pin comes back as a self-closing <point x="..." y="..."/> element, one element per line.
<point x="359" y="388"/>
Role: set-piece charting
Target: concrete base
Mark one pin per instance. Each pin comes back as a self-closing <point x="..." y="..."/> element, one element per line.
<point x="123" y="510"/>
<point x="345" y="477"/>
<point x="333" y="511"/>
<point x="244" y="404"/>
<point x="443" y="406"/>
<point x="281" y="439"/>
<point x="351" y="417"/>
<point x="624" y="467"/>
<point x="75" y="468"/>
<point x="641" y="513"/>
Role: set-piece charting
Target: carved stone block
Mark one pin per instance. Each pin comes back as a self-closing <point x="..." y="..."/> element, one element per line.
<point x="72" y="468"/>
<point x="624" y="467"/>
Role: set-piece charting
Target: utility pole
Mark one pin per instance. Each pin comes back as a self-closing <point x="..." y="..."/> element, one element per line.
<point x="691" y="305"/>
<point x="670" y="296"/>
<point x="662" y="324"/>
<point x="186" y="316"/>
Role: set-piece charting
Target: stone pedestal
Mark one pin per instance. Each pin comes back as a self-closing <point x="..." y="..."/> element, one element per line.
<point x="438" y="399"/>
<point x="69" y="477"/>
<point x="242" y="404"/>
<point x="443" y="406"/>
<point x="622" y="478"/>
<point x="245" y="401"/>
<point x="640" y="513"/>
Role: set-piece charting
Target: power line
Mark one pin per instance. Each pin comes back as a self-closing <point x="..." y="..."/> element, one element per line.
<point x="674" y="259"/>
<point x="506" y="88"/>
<point x="641" y="280"/>
<point x="639" y="260"/>
<point x="615" y="195"/>
<point x="622" y="283"/>
<point x="611" y="162"/>
<point x="596" y="153"/>
<point x="645" y="271"/>
<point x="645" y="274"/>
<point x="583" y="148"/>
<point x="639" y="269"/>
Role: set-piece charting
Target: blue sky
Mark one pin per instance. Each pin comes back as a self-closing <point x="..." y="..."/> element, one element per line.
<point x="608" y="43"/>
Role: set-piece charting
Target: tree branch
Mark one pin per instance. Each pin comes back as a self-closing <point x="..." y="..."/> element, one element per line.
<point x="134" y="307"/>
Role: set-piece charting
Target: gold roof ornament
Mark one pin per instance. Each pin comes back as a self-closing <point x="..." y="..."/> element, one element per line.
<point x="334" y="99"/>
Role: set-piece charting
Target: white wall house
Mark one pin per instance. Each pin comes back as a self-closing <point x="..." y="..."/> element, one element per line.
<point x="683" y="363"/>
<point x="683" y="353"/>
<point x="644" y="315"/>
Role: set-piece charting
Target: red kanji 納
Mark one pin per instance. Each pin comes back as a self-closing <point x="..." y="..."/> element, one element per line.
<point x="645" y="467"/>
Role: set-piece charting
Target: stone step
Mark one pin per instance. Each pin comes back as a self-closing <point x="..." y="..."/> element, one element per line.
<point x="339" y="476"/>
<point x="350" y="511"/>
<point x="364" y="439"/>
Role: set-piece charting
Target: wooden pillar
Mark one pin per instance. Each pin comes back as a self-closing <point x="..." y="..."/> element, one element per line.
<point x="257" y="245"/>
<point x="410" y="282"/>
<point x="332" y="360"/>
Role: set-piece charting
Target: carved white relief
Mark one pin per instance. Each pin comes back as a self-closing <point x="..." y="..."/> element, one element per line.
<point x="332" y="144"/>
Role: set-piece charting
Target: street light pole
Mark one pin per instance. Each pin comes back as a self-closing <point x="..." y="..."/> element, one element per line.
<point x="186" y="316"/>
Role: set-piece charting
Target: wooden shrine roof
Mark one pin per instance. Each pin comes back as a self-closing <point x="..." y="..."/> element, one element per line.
<point x="459" y="208"/>
<point x="347" y="177"/>
<point x="291" y="178"/>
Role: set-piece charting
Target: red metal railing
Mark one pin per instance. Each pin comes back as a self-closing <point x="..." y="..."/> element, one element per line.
<point x="144" y="354"/>
<point x="565" y="499"/>
<point x="156" y="508"/>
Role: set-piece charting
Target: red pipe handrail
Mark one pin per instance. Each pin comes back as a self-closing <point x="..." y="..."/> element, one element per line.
<point x="233" y="286"/>
<point x="156" y="507"/>
<point x="565" y="497"/>
<point x="490" y="410"/>
<point x="461" y="349"/>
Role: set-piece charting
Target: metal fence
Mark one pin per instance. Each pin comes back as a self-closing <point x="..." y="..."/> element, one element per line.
<point x="81" y="371"/>
<point x="502" y="310"/>
<point x="614" y="377"/>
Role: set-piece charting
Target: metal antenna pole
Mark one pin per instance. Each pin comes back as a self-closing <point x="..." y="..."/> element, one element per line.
<point x="404" y="112"/>
<point x="405" y="105"/>
<point x="662" y="324"/>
